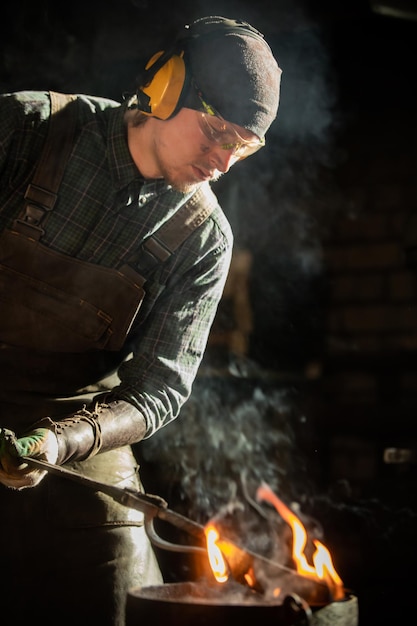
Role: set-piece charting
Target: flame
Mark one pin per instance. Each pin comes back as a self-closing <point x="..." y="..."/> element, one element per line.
<point x="322" y="567"/>
<point x="250" y="578"/>
<point x="217" y="562"/>
<point x="225" y="557"/>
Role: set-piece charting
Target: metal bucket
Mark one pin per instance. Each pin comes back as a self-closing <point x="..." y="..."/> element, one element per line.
<point x="193" y="604"/>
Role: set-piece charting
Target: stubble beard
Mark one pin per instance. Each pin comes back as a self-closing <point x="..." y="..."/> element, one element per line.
<point x="183" y="186"/>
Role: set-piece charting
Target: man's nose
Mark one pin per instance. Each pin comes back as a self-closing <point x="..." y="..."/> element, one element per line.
<point x="223" y="159"/>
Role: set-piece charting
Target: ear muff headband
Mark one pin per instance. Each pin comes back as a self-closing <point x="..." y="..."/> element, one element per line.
<point x="165" y="76"/>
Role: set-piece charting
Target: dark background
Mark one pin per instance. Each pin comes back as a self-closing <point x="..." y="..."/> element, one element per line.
<point x="348" y="105"/>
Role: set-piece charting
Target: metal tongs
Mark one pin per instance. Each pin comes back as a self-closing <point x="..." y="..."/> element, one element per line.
<point x="151" y="506"/>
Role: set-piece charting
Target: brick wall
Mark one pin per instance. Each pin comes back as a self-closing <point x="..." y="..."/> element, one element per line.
<point x="366" y="397"/>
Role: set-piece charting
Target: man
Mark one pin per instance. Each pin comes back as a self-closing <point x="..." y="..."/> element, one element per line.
<point x="108" y="290"/>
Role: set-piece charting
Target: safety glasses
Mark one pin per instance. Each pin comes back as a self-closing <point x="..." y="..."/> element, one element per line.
<point x="222" y="133"/>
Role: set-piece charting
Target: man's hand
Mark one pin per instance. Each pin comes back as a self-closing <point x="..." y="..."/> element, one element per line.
<point x="40" y="443"/>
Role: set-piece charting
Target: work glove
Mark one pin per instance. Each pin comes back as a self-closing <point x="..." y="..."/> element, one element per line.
<point x="40" y="443"/>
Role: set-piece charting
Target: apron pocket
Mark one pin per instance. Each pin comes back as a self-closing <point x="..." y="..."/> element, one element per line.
<point x="36" y="315"/>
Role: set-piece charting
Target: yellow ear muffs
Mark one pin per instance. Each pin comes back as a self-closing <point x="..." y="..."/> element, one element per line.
<point x="164" y="90"/>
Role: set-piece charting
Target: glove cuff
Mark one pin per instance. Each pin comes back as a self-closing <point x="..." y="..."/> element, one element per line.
<point x="84" y="434"/>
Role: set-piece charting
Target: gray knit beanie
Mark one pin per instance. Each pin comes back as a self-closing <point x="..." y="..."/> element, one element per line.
<point x="235" y="71"/>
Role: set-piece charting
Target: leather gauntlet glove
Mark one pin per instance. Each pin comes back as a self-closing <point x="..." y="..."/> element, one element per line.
<point x="41" y="443"/>
<point x="105" y="427"/>
<point x="75" y="438"/>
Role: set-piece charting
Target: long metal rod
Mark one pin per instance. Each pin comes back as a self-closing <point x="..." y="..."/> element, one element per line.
<point x="150" y="505"/>
<point x="153" y="506"/>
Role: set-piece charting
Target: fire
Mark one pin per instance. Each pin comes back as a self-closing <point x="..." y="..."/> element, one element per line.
<point x="217" y="562"/>
<point x="226" y="557"/>
<point x="322" y="567"/>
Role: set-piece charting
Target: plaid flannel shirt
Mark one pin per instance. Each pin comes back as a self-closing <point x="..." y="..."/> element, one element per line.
<point x="104" y="212"/>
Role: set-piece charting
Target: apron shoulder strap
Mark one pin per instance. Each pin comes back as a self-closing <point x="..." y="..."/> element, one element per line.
<point x="163" y="243"/>
<point x="41" y="193"/>
<point x="176" y="230"/>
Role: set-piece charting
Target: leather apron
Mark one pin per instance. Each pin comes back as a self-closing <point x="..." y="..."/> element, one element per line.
<point x="70" y="551"/>
<point x="63" y="323"/>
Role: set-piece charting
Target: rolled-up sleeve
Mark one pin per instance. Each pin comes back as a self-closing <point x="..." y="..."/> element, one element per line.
<point x="171" y="342"/>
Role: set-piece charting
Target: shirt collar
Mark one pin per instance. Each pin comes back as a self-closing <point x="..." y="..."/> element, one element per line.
<point x="122" y="167"/>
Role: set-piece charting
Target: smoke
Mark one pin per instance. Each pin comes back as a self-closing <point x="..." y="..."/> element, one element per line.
<point x="231" y="435"/>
